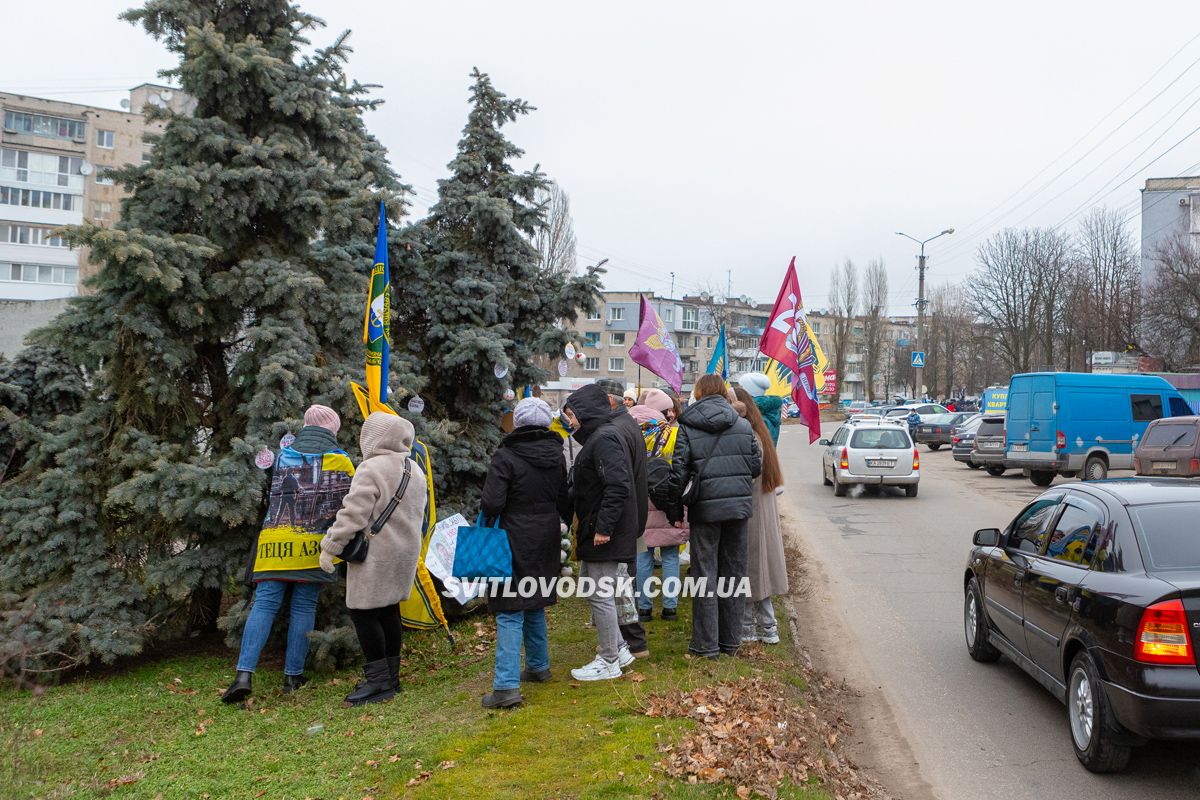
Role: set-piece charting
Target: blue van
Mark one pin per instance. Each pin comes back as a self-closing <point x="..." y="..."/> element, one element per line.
<point x="1075" y="423"/>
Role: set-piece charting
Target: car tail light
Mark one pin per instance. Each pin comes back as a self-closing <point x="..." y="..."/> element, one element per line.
<point x="1162" y="636"/>
<point x="1195" y="465"/>
<point x="1060" y="440"/>
<point x="916" y="460"/>
<point x="956" y="440"/>
<point x="845" y="462"/>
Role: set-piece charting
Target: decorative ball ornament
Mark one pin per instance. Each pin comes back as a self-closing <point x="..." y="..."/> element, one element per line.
<point x="500" y="371"/>
<point x="569" y="350"/>
<point x="580" y="357"/>
<point x="264" y="458"/>
<point x="416" y="405"/>
<point x="564" y="367"/>
<point x="509" y="394"/>
<point x="286" y="441"/>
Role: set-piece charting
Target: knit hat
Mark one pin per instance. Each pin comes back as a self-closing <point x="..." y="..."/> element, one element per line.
<point x="756" y="384"/>
<point x="611" y="386"/>
<point x="658" y="400"/>
<point x="644" y="414"/>
<point x="631" y="394"/>
<point x="324" y="417"/>
<point x="532" y="411"/>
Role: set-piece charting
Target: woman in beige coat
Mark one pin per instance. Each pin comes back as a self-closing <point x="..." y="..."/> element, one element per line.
<point x="375" y="587"/>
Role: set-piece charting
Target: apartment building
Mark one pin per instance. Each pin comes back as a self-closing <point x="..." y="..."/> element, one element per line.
<point x="55" y="160"/>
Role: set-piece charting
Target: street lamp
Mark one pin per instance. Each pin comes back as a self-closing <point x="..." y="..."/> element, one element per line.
<point x="919" y="372"/>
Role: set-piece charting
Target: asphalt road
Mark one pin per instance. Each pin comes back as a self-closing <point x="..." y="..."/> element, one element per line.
<point x="883" y="609"/>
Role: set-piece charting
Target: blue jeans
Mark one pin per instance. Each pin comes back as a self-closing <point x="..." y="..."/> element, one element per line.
<point x="513" y="628"/>
<point x="670" y="569"/>
<point x="268" y="597"/>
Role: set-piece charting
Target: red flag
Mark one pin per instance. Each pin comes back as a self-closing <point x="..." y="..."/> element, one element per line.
<point x="785" y="339"/>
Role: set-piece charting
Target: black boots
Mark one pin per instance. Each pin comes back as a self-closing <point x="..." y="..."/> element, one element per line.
<point x="293" y="682"/>
<point x="240" y="689"/>
<point x="503" y="698"/>
<point x="377" y="685"/>
<point x="394" y="671"/>
<point x="535" y="676"/>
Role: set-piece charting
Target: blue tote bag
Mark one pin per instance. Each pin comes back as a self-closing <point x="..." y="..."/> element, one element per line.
<point x="482" y="551"/>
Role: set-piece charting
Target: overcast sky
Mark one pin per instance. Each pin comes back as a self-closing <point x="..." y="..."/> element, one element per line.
<point x="706" y="137"/>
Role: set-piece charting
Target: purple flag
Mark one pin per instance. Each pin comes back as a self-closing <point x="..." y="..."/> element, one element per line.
<point x="655" y="350"/>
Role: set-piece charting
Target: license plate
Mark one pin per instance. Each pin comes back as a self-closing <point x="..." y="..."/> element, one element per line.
<point x="881" y="462"/>
<point x="1164" y="464"/>
<point x="1020" y="448"/>
<point x="989" y="445"/>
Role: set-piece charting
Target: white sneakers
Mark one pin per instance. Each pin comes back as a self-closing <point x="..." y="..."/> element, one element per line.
<point x="624" y="656"/>
<point x="770" y="638"/>
<point x="599" y="670"/>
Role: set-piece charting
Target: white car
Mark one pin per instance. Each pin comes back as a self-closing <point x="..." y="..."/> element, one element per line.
<point x="870" y="454"/>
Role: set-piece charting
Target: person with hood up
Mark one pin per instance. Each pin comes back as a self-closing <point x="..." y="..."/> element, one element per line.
<point x="311" y="477"/>
<point x="607" y="477"/>
<point x="375" y="586"/>
<point x="765" y="559"/>
<point x="526" y="488"/>
<point x="719" y="450"/>
<point x="756" y="385"/>
<point x="656" y="415"/>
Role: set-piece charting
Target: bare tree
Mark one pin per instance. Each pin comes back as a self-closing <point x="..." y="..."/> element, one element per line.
<point x="950" y="338"/>
<point x="875" y="306"/>
<point x="1173" y="304"/>
<point x="1106" y="306"/>
<point x="843" y="307"/>
<point x="555" y="240"/>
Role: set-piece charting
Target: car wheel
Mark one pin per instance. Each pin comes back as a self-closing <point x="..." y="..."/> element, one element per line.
<point x="910" y="491"/>
<point x="974" y="466"/>
<point x="1041" y="478"/>
<point x="994" y="470"/>
<point x="1093" y="728"/>
<point x="976" y="627"/>
<point x="1094" y="469"/>
<point x="934" y="446"/>
<point x="839" y="488"/>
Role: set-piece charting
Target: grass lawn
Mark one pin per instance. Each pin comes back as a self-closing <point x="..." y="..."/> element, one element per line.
<point x="160" y="730"/>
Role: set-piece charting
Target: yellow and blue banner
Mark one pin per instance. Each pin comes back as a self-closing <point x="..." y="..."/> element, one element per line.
<point x="719" y="363"/>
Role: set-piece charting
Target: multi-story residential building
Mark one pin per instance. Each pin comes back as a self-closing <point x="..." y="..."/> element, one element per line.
<point x="1170" y="208"/>
<point x="54" y="163"/>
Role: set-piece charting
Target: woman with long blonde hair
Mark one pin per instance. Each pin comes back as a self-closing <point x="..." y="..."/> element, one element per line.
<point x="766" y="565"/>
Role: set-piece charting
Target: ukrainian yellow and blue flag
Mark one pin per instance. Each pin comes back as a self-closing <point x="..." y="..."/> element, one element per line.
<point x="719" y="363"/>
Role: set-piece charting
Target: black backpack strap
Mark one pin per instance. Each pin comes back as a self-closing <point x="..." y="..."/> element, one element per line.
<point x="386" y="514"/>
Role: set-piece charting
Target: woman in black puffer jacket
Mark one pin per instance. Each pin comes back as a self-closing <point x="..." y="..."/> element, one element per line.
<point x="717" y="448"/>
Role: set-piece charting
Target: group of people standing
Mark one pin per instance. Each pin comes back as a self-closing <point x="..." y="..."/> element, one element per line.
<point x="631" y="475"/>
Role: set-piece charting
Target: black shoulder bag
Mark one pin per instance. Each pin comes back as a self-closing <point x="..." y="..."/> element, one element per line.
<point x="356" y="549"/>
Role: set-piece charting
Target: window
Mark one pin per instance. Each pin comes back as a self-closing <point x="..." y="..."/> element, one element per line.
<point x="24" y="166"/>
<point x="103" y="178"/>
<point x="839" y="438"/>
<point x="591" y="364"/>
<point x="1072" y="539"/>
<point x="42" y="125"/>
<point x="104" y="139"/>
<point x="1179" y="407"/>
<point x="101" y="211"/>
<point x="616" y="313"/>
<point x="881" y="439"/>
<point x="617" y="339"/>
<point x="669" y="314"/>
<point x="1028" y="530"/>
<point x="691" y="319"/>
<point x="697" y="342"/>
<point x="592" y="338"/>
<point x="1167" y="535"/>
<point x="39" y="273"/>
<point x="1146" y="407"/>
<point x="1164" y="436"/>
<point x="594" y="314"/>
<point x="147" y="153"/>
<point x="12" y="233"/>
<point x="616" y="365"/>
<point x="816" y="326"/>
<point x="708" y="342"/>
<point x="35" y="198"/>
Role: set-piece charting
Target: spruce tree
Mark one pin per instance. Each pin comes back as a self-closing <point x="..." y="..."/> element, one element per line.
<point x="229" y="297"/>
<point x="473" y="296"/>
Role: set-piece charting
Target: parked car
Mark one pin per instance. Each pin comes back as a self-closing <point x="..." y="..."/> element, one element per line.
<point x="870" y="454"/>
<point x="936" y="430"/>
<point x="1092" y="590"/>
<point x="988" y="450"/>
<point x="855" y="406"/>
<point x="1074" y="423"/>
<point x="1171" y="446"/>
<point x="963" y="441"/>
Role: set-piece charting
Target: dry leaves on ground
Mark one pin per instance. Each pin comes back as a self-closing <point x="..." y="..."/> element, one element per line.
<point x="749" y="733"/>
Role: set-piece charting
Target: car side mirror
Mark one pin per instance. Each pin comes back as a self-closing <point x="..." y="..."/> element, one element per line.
<point x="987" y="537"/>
<point x="823" y="442"/>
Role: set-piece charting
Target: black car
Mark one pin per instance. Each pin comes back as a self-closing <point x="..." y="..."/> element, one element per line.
<point x="989" y="445"/>
<point x="963" y="441"/>
<point x="1094" y="590"/>
<point x="936" y="430"/>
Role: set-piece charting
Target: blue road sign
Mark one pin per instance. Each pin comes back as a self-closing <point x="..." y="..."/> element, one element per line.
<point x="918" y="358"/>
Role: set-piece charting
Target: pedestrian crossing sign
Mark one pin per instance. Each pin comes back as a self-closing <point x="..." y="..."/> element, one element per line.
<point x="918" y="358"/>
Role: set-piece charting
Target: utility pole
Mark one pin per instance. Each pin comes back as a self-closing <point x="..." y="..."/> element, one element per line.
<point x="919" y="372"/>
<point x="672" y="285"/>
<point x="728" y="284"/>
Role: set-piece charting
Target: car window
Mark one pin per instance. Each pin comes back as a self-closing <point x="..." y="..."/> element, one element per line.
<point x="1146" y="407"/>
<point x="991" y="427"/>
<point x="881" y="439"/>
<point x="1029" y="528"/>
<point x="840" y="436"/>
<point x="1179" y="407"/>
<point x="1073" y="537"/>
<point x="1178" y="434"/>
<point x="1168" y="535"/>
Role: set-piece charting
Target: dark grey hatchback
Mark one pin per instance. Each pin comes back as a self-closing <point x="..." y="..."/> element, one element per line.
<point x="1094" y="590"/>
